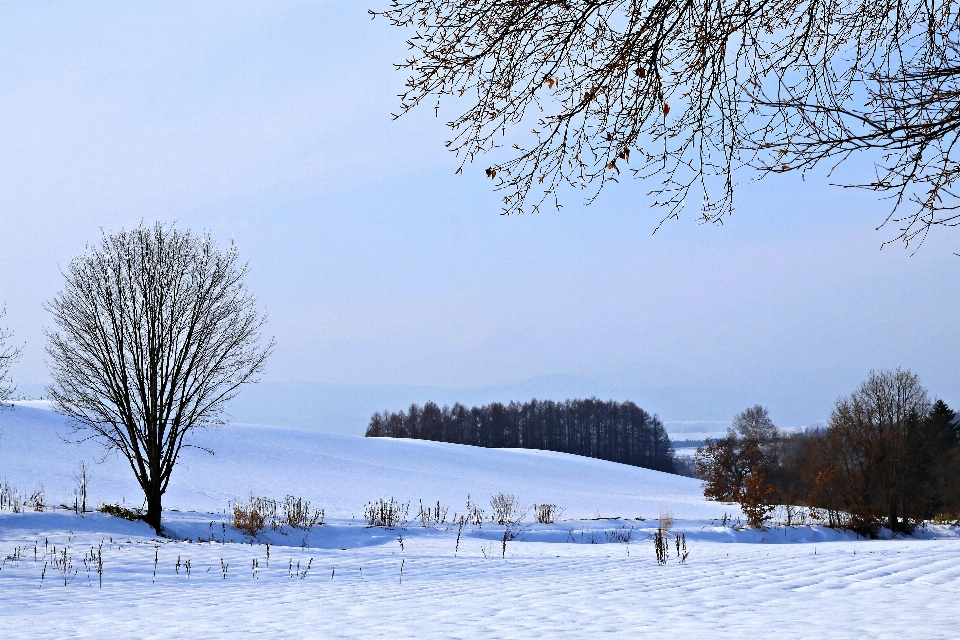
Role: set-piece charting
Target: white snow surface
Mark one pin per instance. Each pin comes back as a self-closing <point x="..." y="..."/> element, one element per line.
<point x="592" y="574"/>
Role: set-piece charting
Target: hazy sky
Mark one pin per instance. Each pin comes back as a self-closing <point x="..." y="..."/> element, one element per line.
<point x="269" y="123"/>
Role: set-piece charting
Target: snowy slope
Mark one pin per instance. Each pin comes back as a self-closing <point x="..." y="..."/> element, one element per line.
<point x="577" y="578"/>
<point x="343" y="473"/>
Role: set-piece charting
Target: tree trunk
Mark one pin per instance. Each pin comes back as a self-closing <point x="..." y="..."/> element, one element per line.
<point x="153" y="509"/>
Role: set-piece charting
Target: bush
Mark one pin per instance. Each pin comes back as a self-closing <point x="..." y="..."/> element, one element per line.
<point x="386" y="513"/>
<point x="36" y="499"/>
<point x="122" y="512"/>
<point x="507" y="509"/>
<point x="547" y="513"/>
<point x="260" y="512"/>
<point x="947" y="518"/>
<point x="248" y="518"/>
<point x="10" y="498"/>
<point x="297" y="514"/>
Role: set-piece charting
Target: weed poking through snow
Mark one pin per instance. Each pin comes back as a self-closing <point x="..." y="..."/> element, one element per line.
<point x="660" y="546"/>
<point x="307" y="570"/>
<point x="474" y="513"/>
<point x="430" y="517"/>
<point x="460" y="522"/>
<point x="682" y="552"/>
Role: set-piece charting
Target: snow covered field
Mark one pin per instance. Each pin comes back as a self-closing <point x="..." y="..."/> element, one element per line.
<point x="593" y="573"/>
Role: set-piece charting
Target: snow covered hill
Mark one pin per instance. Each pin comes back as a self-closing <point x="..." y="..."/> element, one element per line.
<point x="341" y="474"/>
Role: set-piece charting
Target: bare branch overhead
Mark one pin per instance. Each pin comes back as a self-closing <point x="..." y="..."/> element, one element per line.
<point x="686" y="94"/>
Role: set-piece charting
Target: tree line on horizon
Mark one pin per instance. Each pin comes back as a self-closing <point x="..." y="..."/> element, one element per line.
<point x="888" y="457"/>
<point x="607" y="430"/>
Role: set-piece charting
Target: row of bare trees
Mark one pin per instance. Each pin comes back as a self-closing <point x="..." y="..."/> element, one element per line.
<point x="608" y="430"/>
<point x="889" y="456"/>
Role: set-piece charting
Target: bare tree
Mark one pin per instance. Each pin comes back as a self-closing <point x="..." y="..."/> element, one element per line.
<point x="868" y="454"/>
<point x="81" y="479"/>
<point x="8" y="355"/>
<point x="736" y="467"/>
<point x="156" y="332"/>
<point x="755" y="424"/>
<point x="692" y="92"/>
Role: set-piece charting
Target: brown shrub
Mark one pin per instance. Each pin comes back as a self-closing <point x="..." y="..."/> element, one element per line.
<point x="248" y="518"/>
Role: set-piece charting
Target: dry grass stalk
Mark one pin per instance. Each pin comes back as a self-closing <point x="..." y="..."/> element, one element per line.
<point x="386" y="513"/>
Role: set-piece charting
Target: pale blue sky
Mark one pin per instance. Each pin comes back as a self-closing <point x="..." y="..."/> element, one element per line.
<point x="269" y="123"/>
